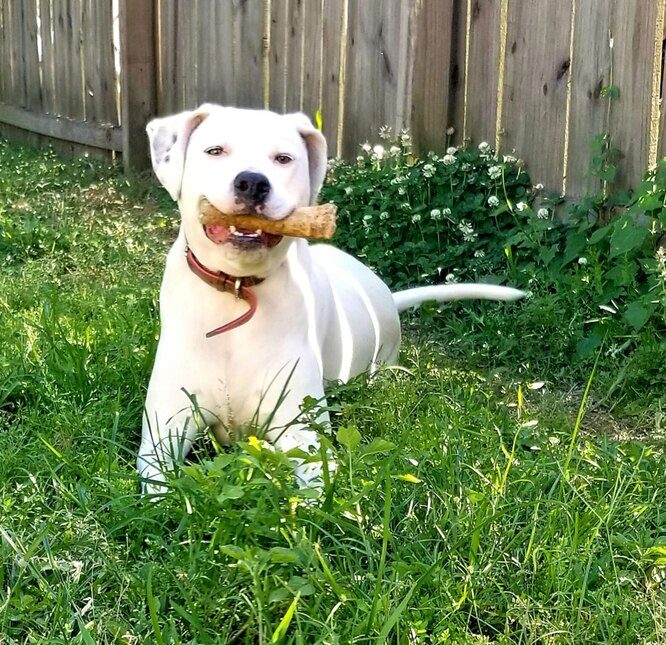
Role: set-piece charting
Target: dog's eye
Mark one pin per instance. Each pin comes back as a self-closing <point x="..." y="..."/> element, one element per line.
<point x="283" y="159"/>
<point x="214" y="151"/>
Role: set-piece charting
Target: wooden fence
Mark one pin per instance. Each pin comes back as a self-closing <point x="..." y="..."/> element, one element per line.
<point x="527" y="75"/>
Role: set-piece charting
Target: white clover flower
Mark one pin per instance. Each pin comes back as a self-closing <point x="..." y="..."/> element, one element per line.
<point x="450" y="130"/>
<point x="405" y="137"/>
<point x="509" y="159"/>
<point x="348" y="190"/>
<point x="402" y="190"/>
<point x="538" y="187"/>
<point x="435" y="214"/>
<point x="406" y="206"/>
<point x="660" y="255"/>
<point x="378" y="151"/>
<point x="448" y="160"/>
<point x="428" y="170"/>
<point x="484" y="147"/>
<point x="360" y="158"/>
<point x="493" y="202"/>
<point x="446" y="211"/>
<point x="450" y="278"/>
<point x="521" y="206"/>
<point x="383" y="215"/>
<point x="582" y="260"/>
<point x="480" y="253"/>
<point x="467" y="231"/>
<point x="394" y="150"/>
<point x="416" y="217"/>
<point x="366" y="147"/>
<point x="543" y="213"/>
<point x="385" y="132"/>
<point x="465" y="167"/>
<point x="451" y="150"/>
<point x="495" y="172"/>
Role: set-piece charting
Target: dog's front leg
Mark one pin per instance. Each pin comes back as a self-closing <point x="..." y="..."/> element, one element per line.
<point x="166" y="438"/>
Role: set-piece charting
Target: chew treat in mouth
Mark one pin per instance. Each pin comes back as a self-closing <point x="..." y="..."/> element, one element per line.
<point x="314" y="222"/>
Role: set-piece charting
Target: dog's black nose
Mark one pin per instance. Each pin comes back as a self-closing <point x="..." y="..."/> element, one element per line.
<point x="252" y="187"/>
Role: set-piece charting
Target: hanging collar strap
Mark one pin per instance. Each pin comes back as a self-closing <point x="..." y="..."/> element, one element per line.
<point x="239" y="287"/>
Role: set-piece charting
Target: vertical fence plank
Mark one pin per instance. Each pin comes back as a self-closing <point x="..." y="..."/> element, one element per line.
<point x="312" y="69"/>
<point x="633" y="37"/>
<point x="661" y="144"/>
<point x="204" y="51"/>
<point x="535" y="86"/>
<point x="479" y="88"/>
<point x="373" y="68"/>
<point x="18" y="53"/>
<point x="77" y="103"/>
<point x="457" y="72"/>
<point x="61" y="51"/>
<point x="278" y="55"/>
<point x="166" y="84"/>
<point x="139" y="94"/>
<point x="100" y="85"/>
<point x="590" y="73"/>
<point x="31" y="57"/>
<point x="248" y="63"/>
<point x="295" y="35"/>
<point x="223" y="52"/>
<point x="331" y="82"/>
<point x="429" y="97"/>
<point x="48" y="76"/>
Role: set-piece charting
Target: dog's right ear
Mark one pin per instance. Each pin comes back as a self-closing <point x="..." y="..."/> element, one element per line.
<point x="169" y="137"/>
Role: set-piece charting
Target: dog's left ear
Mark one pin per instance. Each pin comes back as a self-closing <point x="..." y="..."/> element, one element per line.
<point x="316" y="145"/>
<point x="169" y="137"/>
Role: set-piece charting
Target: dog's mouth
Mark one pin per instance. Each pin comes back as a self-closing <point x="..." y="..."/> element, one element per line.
<point x="240" y="237"/>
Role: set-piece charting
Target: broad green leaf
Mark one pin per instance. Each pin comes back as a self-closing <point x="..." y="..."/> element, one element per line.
<point x="349" y="437"/>
<point x="637" y="315"/>
<point x="599" y="234"/>
<point x="627" y="236"/>
<point x="230" y="491"/>
<point x="378" y="445"/>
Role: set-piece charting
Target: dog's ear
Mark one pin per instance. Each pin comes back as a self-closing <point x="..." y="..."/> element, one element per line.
<point x="169" y="137"/>
<point x="316" y="145"/>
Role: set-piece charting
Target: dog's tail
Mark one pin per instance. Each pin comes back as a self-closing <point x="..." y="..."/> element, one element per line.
<point x="447" y="292"/>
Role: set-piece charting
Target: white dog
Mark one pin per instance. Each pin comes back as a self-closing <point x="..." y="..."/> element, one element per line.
<point x="320" y="314"/>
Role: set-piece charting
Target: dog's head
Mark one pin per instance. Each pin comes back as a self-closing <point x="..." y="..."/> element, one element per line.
<point x="243" y="161"/>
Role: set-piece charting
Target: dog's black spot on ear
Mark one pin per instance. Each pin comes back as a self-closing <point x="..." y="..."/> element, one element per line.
<point x="166" y="158"/>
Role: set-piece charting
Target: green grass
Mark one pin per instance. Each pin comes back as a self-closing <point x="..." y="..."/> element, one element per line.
<point x="474" y="509"/>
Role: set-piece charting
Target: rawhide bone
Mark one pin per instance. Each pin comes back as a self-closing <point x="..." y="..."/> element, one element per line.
<point x="314" y="222"/>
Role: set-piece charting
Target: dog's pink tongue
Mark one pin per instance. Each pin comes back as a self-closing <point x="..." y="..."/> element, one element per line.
<point x="217" y="233"/>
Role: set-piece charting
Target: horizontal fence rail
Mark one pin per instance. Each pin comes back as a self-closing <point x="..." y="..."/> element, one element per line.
<point x="538" y="77"/>
<point x="58" y="72"/>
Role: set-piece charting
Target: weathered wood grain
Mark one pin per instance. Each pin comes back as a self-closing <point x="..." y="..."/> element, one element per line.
<point x="373" y="69"/>
<point x="30" y="57"/>
<point x="331" y="82"/>
<point x="590" y="73"/>
<point x="632" y="28"/>
<point x="279" y="53"/>
<point x="535" y="86"/>
<point x="479" y="87"/>
<point x="431" y="74"/>
<point x="96" y="135"/>
<point x="296" y="42"/>
<point x="313" y="26"/>
<point x="248" y="25"/>
<point x="48" y="59"/>
<point x="139" y="85"/>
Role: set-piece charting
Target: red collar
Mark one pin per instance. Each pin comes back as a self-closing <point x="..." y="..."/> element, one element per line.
<point x="240" y="287"/>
